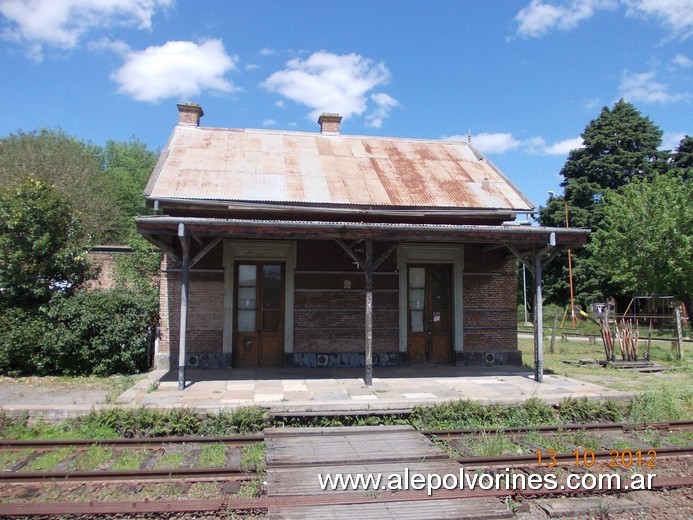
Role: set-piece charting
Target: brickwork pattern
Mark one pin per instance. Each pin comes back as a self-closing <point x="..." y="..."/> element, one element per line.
<point x="205" y="311"/>
<point x="490" y="310"/>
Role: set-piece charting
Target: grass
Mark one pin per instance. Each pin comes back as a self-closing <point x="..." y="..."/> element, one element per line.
<point x="49" y="460"/>
<point x="170" y="461"/>
<point x="212" y="456"/>
<point x="92" y="458"/>
<point x="584" y="440"/>
<point x="564" y="362"/>
<point x="10" y="458"/>
<point x="130" y="460"/>
<point x="494" y="445"/>
<point x="253" y="459"/>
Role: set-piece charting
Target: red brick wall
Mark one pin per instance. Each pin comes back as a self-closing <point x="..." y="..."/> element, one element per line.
<point x="330" y="301"/>
<point x="490" y="308"/>
<point x="205" y="311"/>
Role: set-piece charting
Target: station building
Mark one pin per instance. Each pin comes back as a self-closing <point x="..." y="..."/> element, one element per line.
<point x="321" y="249"/>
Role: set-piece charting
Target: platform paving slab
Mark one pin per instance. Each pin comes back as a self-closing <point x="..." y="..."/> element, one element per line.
<point x="326" y="390"/>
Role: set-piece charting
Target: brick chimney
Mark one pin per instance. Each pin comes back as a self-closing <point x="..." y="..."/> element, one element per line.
<point x="329" y="123"/>
<point x="189" y="114"/>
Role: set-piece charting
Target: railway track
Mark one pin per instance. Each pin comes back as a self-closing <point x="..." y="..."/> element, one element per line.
<point x="206" y="475"/>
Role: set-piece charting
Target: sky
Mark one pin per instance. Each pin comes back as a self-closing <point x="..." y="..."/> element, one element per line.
<point x="522" y="77"/>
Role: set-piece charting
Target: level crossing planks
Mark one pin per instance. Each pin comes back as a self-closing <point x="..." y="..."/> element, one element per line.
<point x="296" y="457"/>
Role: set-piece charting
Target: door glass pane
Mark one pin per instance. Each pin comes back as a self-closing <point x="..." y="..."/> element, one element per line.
<point x="439" y="288"/>
<point x="247" y="276"/>
<point x="417" y="277"/>
<point x="247" y="298"/>
<point x="271" y="297"/>
<point x="417" y="297"/>
<point x="271" y="286"/>
<point x="417" y="321"/>
<point x="246" y="321"/>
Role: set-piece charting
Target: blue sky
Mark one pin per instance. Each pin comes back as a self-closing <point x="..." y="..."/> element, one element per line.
<point x="524" y="77"/>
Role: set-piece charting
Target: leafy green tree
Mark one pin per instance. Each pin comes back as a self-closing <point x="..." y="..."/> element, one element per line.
<point x="645" y="239"/>
<point x="128" y="166"/>
<point x="74" y="167"/>
<point x="619" y="146"/>
<point x="42" y="244"/>
<point x="682" y="159"/>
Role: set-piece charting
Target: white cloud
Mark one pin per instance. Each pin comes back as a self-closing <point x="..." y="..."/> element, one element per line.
<point x="540" y="17"/>
<point x="326" y="82"/>
<point x="676" y="15"/>
<point x="177" y="69"/>
<point x="671" y="140"/>
<point x="61" y="23"/>
<point x="495" y="143"/>
<point x="543" y="16"/>
<point x="384" y="104"/>
<point x="500" y="143"/>
<point x="269" y="122"/>
<point x="539" y="146"/>
<point x="682" y="61"/>
<point x="643" y="87"/>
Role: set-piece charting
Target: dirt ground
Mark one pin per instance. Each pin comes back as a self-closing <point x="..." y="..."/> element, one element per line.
<point x="55" y="392"/>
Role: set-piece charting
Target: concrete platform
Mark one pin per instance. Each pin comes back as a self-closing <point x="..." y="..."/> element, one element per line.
<point x="336" y="390"/>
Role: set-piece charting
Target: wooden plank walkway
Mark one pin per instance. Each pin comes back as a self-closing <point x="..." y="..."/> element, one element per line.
<point x="296" y="456"/>
<point x="468" y="509"/>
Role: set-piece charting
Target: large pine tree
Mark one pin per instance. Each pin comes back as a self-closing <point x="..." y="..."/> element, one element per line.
<point x="619" y="146"/>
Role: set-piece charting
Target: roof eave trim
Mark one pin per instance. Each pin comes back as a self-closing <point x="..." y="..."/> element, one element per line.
<point x="331" y="208"/>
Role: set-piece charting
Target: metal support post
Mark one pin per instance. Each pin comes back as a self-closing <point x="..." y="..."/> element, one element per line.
<point x="185" y="243"/>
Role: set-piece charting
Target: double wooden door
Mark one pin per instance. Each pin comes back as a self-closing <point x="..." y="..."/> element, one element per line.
<point x="259" y="314"/>
<point x="430" y="316"/>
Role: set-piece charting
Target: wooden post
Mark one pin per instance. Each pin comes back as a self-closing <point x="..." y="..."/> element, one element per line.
<point x="185" y="243"/>
<point x="369" y="314"/>
<point x="369" y="266"/>
<point x="679" y="333"/>
<point x="553" y="332"/>
<point x="538" y="321"/>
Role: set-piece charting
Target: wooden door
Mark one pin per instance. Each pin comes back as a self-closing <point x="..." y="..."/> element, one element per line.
<point x="430" y="323"/>
<point x="259" y="314"/>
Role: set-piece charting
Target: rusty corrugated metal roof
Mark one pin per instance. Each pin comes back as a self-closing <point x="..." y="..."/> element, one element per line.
<point x="311" y="168"/>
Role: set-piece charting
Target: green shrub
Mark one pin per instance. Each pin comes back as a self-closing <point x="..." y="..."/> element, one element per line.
<point x="533" y="412"/>
<point x="176" y="422"/>
<point x="100" y="333"/>
<point x="21" y="336"/>
<point x="661" y="405"/>
<point x="589" y="410"/>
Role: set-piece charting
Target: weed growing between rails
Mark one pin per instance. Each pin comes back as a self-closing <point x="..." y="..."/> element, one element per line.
<point x="659" y="404"/>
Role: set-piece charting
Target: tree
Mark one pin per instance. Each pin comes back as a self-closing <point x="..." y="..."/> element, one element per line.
<point x="42" y="245"/>
<point x="128" y="167"/>
<point x="645" y="240"/>
<point x="618" y="147"/>
<point x="74" y="167"/>
<point x="682" y="159"/>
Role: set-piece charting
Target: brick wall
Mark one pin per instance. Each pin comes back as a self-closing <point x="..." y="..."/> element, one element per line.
<point x="330" y="321"/>
<point x="205" y="312"/>
<point x="329" y="304"/>
<point x="490" y="308"/>
<point x="330" y="301"/>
